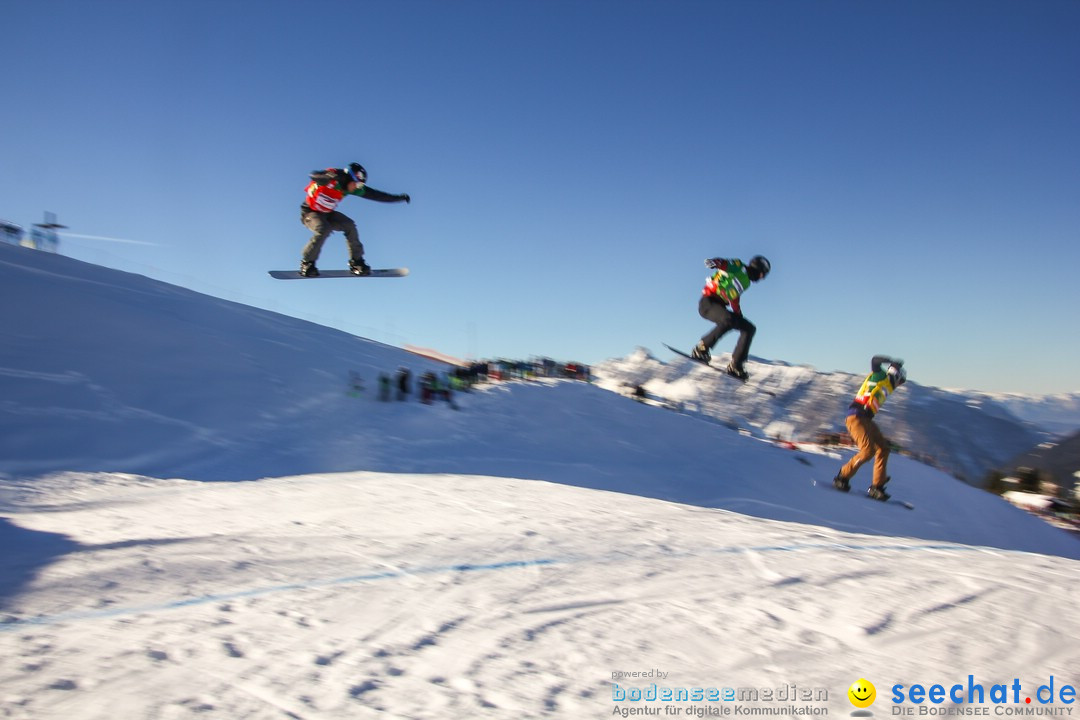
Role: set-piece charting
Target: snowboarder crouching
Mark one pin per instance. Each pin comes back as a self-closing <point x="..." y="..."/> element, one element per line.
<point x="326" y="189"/>
<point x="876" y="388"/>
<point x="720" y="304"/>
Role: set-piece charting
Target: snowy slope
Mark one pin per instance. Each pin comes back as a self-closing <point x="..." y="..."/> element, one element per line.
<point x="395" y="560"/>
<point x="967" y="434"/>
<point x="104" y="370"/>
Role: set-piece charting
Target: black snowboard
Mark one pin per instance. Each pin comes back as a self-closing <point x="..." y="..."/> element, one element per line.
<point x="722" y="371"/>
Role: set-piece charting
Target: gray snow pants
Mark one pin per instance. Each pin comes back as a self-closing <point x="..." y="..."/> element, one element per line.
<point x="321" y="225"/>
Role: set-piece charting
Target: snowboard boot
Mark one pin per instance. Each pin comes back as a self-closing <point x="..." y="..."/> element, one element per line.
<point x="701" y="353"/>
<point x="841" y="484"/>
<point x="877" y="492"/>
<point x="359" y="267"/>
<point x="308" y="269"/>
<point x="736" y="372"/>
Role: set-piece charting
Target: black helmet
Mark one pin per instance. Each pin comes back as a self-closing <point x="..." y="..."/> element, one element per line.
<point x="897" y="374"/>
<point x="357" y="173"/>
<point x="761" y="265"/>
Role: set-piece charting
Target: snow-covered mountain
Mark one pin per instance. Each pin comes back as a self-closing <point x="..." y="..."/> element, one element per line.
<point x="964" y="433"/>
<point x="397" y="560"/>
<point x="1058" y="414"/>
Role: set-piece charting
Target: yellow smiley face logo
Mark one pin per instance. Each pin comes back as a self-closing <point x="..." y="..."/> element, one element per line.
<point x="862" y="693"/>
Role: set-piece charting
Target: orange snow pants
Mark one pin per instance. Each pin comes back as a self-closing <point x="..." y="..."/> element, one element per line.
<point x="872" y="444"/>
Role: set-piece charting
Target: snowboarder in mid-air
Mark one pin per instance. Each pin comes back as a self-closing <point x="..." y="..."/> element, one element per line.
<point x="876" y="388"/>
<point x="326" y="189"/>
<point x="720" y="304"/>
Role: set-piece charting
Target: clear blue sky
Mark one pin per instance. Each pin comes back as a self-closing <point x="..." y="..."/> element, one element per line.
<point x="912" y="169"/>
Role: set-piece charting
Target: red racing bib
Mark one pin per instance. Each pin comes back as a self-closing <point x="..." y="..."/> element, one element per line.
<point x="323" y="198"/>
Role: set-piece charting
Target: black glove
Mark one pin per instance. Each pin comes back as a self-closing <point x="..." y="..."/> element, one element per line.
<point x="405" y="197"/>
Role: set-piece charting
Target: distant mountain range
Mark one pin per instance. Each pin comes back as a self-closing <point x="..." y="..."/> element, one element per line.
<point x="1057" y="414"/>
<point x="965" y="433"/>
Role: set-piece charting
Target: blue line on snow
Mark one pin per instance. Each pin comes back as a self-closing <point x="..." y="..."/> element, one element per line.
<point x="42" y="620"/>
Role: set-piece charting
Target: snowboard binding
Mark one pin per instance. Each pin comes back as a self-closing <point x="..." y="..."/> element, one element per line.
<point x="877" y="492"/>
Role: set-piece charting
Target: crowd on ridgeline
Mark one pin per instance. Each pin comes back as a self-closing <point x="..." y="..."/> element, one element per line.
<point x="495" y="370"/>
<point x="432" y="386"/>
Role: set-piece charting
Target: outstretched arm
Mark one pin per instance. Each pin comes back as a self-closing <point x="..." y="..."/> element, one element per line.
<point x="379" y="196"/>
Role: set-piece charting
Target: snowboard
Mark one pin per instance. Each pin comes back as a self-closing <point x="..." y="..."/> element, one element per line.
<point x="381" y="272"/>
<point x="890" y="501"/>
<point x="722" y="371"/>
